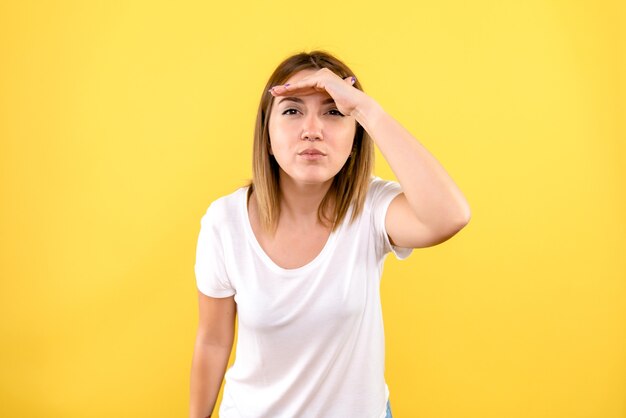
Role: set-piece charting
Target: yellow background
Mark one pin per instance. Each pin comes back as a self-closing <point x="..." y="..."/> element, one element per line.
<point x="120" y="122"/>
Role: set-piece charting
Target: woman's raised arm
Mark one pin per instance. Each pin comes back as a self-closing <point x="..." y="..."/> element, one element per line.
<point x="431" y="208"/>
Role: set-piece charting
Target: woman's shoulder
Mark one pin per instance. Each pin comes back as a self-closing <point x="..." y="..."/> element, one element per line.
<point x="378" y="188"/>
<point x="377" y="182"/>
<point x="225" y="207"/>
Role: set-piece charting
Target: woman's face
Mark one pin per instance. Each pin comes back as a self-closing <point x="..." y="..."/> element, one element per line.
<point x="309" y="138"/>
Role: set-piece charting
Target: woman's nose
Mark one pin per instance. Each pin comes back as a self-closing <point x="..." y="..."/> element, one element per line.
<point x="312" y="128"/>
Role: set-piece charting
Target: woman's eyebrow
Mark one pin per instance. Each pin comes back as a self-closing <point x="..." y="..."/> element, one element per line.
<point x="299" y="100"/>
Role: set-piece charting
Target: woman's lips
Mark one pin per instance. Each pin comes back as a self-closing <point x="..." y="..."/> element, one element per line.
<point x="311" y="154"/>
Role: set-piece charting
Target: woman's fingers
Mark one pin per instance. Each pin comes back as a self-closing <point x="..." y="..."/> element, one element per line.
<point x="315" y="83"/>
<point x="288" y="88"/>
<point x="346" y="98"/>
<point x="320" y="81"/>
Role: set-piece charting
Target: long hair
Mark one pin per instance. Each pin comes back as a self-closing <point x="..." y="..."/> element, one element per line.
<point x="349" y="185"/>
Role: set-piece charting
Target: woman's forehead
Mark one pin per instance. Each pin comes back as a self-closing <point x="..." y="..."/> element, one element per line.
<point x="320" y="98"/>
<point x="300" y="75"/>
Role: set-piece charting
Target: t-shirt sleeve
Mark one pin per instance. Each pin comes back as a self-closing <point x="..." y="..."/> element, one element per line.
<point x="382" y="193"/>
<point x="210" y="270"/>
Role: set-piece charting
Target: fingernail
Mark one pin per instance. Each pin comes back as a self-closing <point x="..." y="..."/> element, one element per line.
<point x="353" y="80"/>
<point x="286" y="84"/>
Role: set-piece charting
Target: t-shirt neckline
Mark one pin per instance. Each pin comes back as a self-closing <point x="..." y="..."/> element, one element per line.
<point x="330" y="242"/>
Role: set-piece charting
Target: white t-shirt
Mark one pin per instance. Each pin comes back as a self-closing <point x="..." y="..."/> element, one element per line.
<point x="310" y="340"/>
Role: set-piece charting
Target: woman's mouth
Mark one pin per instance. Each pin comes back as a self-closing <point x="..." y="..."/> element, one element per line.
<point x="311" y="154"/>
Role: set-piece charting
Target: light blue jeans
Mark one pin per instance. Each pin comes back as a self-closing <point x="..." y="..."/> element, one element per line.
<point x="388" y="410"/>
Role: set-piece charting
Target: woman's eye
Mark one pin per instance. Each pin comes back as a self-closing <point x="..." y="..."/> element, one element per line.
<point x="292" y="111"/>
<point x="335" y="112"/>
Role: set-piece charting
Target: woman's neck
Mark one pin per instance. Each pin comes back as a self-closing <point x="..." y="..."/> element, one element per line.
<point x="299" y="203"/>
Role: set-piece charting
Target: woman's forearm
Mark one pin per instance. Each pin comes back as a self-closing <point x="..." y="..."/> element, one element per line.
<point x="207" y="372"/>
<point x="430" y="191"/>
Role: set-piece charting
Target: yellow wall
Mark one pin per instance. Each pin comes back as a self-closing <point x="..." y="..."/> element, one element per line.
<point x="121" y="121"/>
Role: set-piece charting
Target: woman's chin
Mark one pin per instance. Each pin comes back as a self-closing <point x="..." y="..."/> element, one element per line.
<point x="312" y="179"/>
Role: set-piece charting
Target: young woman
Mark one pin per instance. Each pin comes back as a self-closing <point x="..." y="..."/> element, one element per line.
<point x="297" y="255"/>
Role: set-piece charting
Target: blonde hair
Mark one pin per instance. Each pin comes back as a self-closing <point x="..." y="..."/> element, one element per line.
<point x="349" y="186"/>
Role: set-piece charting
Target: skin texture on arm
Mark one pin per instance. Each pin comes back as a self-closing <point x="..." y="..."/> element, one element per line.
<point x="214" y="342"/>
<point x="431" y="208"/>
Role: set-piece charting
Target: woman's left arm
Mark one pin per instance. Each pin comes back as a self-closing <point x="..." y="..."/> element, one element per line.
<point x="431" y="208"/>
